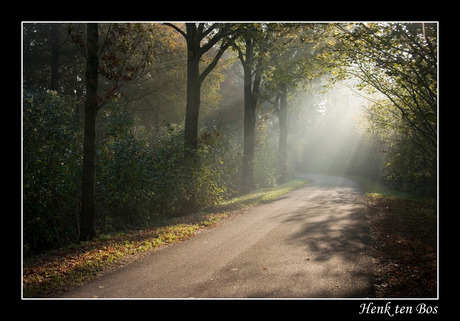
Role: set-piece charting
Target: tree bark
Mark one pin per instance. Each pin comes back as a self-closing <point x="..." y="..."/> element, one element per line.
<point x="283" y="134"/>
<point x="193" y="102"/>
<point x="252" y="80"/>
<point x="249" y="133"/>
<point x="195" y="33"/>
<point x="87" y="215"/>
<point x="55" y="48"/>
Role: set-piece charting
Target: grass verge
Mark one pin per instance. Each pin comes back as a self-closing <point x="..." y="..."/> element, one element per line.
<point x="404" y="242"/>
<point x="53" y="273"/>
<point x="259" y="196"/>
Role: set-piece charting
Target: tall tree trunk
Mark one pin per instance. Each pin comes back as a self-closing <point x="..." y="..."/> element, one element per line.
<point x="87" y="216"/>
<point x="193" y="104"/>
<point x="54" y="43"/>
<point x="194" y="35"/>
<point x="249" y="132"/>
<point x="252" y="80"/>
<point x="192" y="108"/>
<point x="283" y="134"/>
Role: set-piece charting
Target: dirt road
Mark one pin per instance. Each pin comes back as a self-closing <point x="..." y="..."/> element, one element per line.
<point x="313" y="242"/>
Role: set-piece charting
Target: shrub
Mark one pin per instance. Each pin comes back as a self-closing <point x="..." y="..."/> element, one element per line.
<point x="52" y="158"/>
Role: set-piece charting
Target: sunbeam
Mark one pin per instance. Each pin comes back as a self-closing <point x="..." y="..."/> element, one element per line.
<point x="333" y="140"/>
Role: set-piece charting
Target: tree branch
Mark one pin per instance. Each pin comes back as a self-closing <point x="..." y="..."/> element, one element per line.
<point x="214" y="62"/>
<point x="177" y="29"/>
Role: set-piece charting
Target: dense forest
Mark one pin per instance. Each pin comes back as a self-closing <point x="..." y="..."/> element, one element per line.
<point x="126" y="124"/>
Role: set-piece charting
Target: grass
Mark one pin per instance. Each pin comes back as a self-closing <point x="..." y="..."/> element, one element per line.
<point x="53" y="273"/>
<point x="260" y="196"/>
<point x="404" y="242"/>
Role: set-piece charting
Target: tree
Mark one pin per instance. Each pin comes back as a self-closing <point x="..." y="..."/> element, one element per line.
<point x="195" y="34"/>
<point x="117" y="62"/>
<point x="87" y="227"/>
<point x="251" y="52"/>
<point x="55" y="52"/>
<point x="157" y="93"/>
<point x="300" y="67"/>
<point x="278" y="57"/>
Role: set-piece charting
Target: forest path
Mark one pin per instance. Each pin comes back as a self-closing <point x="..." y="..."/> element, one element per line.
<point x="313" y="242"/>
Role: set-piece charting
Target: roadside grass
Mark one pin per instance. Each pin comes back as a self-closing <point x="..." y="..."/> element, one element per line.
<point x="55" y="272"/>
<point x="260" y="196"/>
<point x="404" y="242"/>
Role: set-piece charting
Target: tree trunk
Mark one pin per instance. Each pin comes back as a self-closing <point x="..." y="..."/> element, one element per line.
<point x="283" y="134"/>
<point x="249" y="133"/>
<point x="252" y="80"/>
<point x="54" y="43"/>
<point x="87" y="216"/>
<point x="193" y="104"/>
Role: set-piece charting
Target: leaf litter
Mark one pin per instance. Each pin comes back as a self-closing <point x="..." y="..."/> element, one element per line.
<point x="404" y="243"/>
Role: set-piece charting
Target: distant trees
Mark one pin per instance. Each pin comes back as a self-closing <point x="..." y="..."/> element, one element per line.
<point x="293" y="63"/>
<point x="51" y="60"/>
<point x="276" y="58"/>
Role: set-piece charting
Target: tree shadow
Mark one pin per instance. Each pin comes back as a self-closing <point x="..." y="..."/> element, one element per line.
<point x="346" y="234"/>
<point x="334" y="231"/>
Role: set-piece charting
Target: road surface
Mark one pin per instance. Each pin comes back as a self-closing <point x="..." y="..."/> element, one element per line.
<point x="313" y="242"/>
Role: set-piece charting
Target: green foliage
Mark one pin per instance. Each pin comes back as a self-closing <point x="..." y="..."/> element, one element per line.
<point x="398" y="61"/>
<point x="183" y="184"/>
<point x="122" y="187"/>
<point x="266" y="157"/>
<point x="141" y="179"/>
<point x="407" y="169"/>
<point x="52" y="158"/>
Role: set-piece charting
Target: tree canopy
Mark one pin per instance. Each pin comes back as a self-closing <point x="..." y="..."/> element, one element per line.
<point x="399" y="61"/>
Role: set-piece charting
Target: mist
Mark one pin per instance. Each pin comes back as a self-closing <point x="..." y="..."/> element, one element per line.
<point x="326" y="134"/>
<point x="333" y="137"/>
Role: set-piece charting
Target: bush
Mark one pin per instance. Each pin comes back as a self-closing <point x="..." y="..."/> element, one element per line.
<point x="182" y="184"/>
<point x="52" y="159"/>
<point x="143" y="180"/>
<point x="266" y="158"/>
<point x="408" y="170"/>
<point x="123" y="188"/>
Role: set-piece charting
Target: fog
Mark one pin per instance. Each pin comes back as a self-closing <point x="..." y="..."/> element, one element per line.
<point x="333" y="136"/>
<point x="325" y="125"/>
